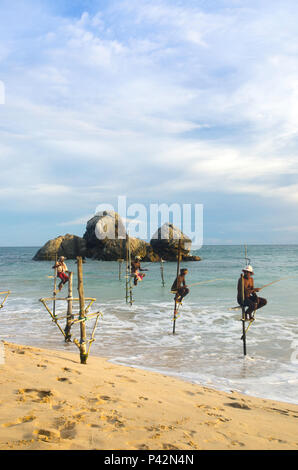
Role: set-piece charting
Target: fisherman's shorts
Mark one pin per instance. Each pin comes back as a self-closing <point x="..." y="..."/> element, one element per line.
<point x="64" y="278"/>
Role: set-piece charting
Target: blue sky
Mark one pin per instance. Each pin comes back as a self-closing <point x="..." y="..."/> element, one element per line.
<point x="161" y="101"/>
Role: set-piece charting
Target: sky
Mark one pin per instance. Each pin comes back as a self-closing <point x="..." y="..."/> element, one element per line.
<point x="162" y="101"/>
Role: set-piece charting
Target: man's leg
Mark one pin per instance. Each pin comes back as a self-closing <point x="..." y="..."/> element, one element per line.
<point x="64" y="279"/>
<point x="261" y="302"/>
<point x="252" y="306"/>
<point x="183" y="291"/>
<point x="60" y="283"/>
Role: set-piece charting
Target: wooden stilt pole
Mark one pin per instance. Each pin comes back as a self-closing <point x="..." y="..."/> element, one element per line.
<point x="54" y="318"/>
<point x="120" y="260"/>
<point x="161" y="272"/>
<point x="247" y="260"/>
<point x="178" y="270"/>
<point x="55" y="287"/>
<point x="243" y="316"/>
<point x="127" y="268"/>
<point x="92" y="339"/>
<point x="69" y="311"/>
<point x="83" y="343"/>
<point x="128" y="295"/>
<point x="6" y="294"/>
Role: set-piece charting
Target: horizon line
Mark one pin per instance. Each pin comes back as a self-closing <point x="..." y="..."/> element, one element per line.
<point x="194" y="249"/>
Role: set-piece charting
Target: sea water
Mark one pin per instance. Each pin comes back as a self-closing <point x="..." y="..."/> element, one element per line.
<point x="207" y="347"/>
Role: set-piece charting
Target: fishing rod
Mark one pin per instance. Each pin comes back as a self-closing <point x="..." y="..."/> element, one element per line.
<point x="273" y="282"/>
<point x="205" y="282"/>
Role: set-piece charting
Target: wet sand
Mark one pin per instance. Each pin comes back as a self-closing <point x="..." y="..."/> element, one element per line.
<point x="48" y="400"/>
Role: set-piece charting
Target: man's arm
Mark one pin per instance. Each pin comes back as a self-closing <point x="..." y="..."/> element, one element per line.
<point x="254" y="289"/>
<point x="140" y="269"/>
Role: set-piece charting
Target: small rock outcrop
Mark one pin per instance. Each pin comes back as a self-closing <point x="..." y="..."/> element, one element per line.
<point x="67" y="245"/>
<point x="165" y="243"/>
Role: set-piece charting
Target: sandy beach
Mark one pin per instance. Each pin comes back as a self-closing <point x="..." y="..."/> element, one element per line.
<point x="48" y="400"/>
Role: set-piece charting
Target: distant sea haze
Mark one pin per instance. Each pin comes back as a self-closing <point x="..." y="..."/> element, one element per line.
<point x="206" y="348"/>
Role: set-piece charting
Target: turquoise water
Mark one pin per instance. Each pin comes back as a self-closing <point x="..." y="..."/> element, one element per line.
<point x="206" y="348"/>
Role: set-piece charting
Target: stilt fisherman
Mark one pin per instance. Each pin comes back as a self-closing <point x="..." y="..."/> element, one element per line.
<point x="179" y="286"/>
<point x="61" y="272"/>
<point x="135" y="270"/>
<point x="251" y="300"/>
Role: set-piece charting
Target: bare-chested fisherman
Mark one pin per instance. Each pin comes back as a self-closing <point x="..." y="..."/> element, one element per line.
<point x="251" y="300"/>
<point x="135" y="270"/>
<point x="61" y="272"/>
<point x="179" y="286"/>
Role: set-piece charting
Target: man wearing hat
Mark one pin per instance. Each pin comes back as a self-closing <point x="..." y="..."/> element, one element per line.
<point x="61" y="272"/>
<point x="251" y="300"/>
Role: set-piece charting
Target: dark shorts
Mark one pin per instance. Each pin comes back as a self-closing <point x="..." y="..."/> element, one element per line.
<point x="182" y="292"/>
<point x="253" y="303"/>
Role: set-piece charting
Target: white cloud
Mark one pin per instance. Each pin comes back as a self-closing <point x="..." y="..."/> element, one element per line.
<point x="289" y="228"/>
<point x="149" y="97"/>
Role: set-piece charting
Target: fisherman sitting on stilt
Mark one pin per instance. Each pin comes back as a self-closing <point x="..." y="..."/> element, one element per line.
<point x="61" y="272"/>
<point x="135" y="270"/>
<point x="179" y="286"/>
<point x="251" y="300"/>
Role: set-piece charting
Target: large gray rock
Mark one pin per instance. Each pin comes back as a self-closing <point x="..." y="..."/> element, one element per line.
<point x="67" y="245"/>
<point x="101" y="236"/>
<point x="165" y="243"/>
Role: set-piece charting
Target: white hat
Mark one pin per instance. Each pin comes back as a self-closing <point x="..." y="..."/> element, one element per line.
<point x="138" y="257"/>
<point x="248" y="269"/>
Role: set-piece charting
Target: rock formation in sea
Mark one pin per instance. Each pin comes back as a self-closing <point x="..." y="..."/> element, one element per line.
<point x="165" y="243"/>
<point x="67" y="245"/>
<point x="105" y="239"/>
<point x="102" y="237"/>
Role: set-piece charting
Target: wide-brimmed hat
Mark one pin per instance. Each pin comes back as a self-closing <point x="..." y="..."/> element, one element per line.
<point x="62" y="258"/>
<point x="248" y="269"/>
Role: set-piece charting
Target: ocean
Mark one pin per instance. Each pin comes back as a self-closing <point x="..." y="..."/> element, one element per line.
<point x="206" y="348"/>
